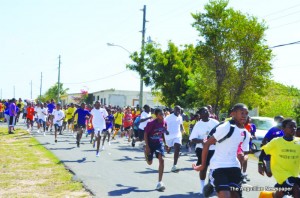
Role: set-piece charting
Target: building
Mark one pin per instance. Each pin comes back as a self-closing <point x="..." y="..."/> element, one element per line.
<point x="116" y="98"/>
<point x="124" y="97"/>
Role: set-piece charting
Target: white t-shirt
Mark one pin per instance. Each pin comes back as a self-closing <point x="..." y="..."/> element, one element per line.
<point x="143" y="116"/>
<point x="42" y="113"/>
<point x="173" y="126"/>
<point x="201" y="131"/>
<point x="98" y="119"/>
<point x="58" y="116"/>
<point x="225" y="155"/>
<point x="36" y="109"/>
<point x="245" y="145"/>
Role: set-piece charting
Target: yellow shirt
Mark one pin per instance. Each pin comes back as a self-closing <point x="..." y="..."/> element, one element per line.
<point x="153" y="116"/>
<point x="186" y="126"/>
<point x="65" y="112"/>
<point x="285" y="158"/>
<point x="70" y="112"/>
<point x="119" y="118"/>
<point x="75" y="119"/>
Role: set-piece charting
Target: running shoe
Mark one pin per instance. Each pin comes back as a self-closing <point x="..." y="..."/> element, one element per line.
<point x="97" y="154"/>
<point x="133" y="142"/>
<point x="175" y="169"/>
<point x="44" y="134"/>
<point x="208" y="190"/>
<point x="102" y="148"/>
<point x="109" y="143"/>
<point x="55" y="141"/>
<point x="78" y="145"/>
<point x="160" y="186"/>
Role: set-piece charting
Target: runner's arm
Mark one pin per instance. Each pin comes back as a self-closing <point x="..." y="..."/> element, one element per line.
<point x="261" y="162"/>
<point x="206" y="145"/>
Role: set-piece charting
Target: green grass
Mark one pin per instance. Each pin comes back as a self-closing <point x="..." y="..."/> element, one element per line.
<point x="27" y="169"/>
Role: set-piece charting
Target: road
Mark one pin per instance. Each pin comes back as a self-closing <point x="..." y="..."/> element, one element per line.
<point x="122" y="171"/>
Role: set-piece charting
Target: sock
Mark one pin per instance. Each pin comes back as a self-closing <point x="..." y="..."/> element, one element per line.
<point x="244" y="173"/>
<point x="202" y="183"/>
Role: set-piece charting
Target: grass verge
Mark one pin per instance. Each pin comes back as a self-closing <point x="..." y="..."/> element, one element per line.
<point x="27" y="169"/>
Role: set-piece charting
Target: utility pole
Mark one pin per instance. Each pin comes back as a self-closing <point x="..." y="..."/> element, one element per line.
<point x="31" y="89"/>
<point x="58" y="83"/>
<point x="41" y="85"/>
<point x="142" y="57"/>
<point x="1" y="93"/>
<point x="14" y="91"/>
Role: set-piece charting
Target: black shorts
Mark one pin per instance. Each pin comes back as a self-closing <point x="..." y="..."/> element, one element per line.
<point x="199" y="155"/>
<point x="127" y="128"/>
<point x="11" y="120"/>
<point x="70" y="121"/>
<point x="83" y="126"/>
<point x="117" y="126"/>
<point x="136" y="133"/>
<point x="224" y="178"/>
<point x="157" y="149"/>
<point x="141" y="134"/>
<point x="288" y="184"/>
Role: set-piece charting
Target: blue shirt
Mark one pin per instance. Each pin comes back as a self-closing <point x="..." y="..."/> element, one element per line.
<point x="51" y="106"/>
<point x="82" y="113"/>
<point x="109" y="121"/>
<point x="136" y="123"/>
<point x="273" y="133"/>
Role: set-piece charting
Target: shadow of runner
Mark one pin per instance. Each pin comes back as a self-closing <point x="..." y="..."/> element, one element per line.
<point x="126" y="190"/>
<point x="189" y="195"/>
<point x="61" y="148"/>
<point x="127" y="158"/>
<point x="83" y="160"/>
<point x="150" y="171"/>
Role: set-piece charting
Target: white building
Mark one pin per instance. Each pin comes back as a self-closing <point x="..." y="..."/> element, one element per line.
<point x="124" y="98"/>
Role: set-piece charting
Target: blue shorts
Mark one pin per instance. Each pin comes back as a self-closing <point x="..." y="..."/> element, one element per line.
<point x="157" y="149"/>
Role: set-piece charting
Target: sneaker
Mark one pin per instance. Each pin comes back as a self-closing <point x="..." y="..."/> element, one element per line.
<point x="175" y="169"/>
<point x="97" y="154"/>
<point x="55" y="141"/>
<point x="109" y="143"/>
<point x="133" y="142"/>
<point x="246" y="177"/>
<point x="160" y="186"/>
<point x="78" y="145"/>
<point x="44" y="134"/>
<point x="38" y="131"/>
<point x="102" y="148"/>
<point x="208" y="190"/>
<point x="10" y="132"/>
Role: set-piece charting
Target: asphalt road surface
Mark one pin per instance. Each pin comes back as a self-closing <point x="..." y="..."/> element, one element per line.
<point x="121" y="170"/>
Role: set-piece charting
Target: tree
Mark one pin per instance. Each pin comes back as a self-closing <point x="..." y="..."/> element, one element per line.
<point x="236" y="58"/>
<point x="167" y="71"/>
<point x="52" y="92"/>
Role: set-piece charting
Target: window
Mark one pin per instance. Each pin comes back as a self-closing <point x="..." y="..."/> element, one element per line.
<point x="101" y="100"/>
<point x="98" y="98"/>
<point x="104" y="101"/>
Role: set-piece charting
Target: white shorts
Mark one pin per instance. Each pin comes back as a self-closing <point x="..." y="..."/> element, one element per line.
<point x="171" y="142"/>
<point x="99" y="133"/>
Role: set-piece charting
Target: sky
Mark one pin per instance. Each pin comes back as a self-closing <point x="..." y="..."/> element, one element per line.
<point x="34" y="33"/>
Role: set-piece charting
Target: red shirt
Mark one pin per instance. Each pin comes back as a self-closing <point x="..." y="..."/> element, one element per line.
<point x="127" y="120"/>
<point x="30" y="113"/>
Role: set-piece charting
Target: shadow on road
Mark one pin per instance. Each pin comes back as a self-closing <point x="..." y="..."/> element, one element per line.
<point x="189" y="195"/>
<point x="62" y="148"/>
<point x="39" y="144"/>
<point x="126" y="190"/>
<point x="83" y="160"/>
<point x="150" y="171"/>
<point x="127" y="158"/>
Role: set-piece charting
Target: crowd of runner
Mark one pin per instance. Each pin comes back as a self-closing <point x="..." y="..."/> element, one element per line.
<point x="223" y="147"/>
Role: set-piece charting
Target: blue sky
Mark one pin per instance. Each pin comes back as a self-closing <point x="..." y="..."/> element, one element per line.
<point x="34" y="33"/>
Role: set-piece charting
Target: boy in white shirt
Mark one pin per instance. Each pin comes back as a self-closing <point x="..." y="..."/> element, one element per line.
<point x="59" y="116"/>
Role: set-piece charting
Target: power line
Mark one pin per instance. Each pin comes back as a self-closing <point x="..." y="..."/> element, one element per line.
<point x="286" y="44"/>
<point x="284" y="25"/>
<point x="280" y="17"/>
<point x="279" y="11"/>
<point x="97" y="78"/>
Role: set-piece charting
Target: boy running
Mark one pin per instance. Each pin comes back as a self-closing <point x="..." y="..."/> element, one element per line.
<point x="82" y="116"/>
<point x="58" y="117"/>
<point x="154" y="141"/>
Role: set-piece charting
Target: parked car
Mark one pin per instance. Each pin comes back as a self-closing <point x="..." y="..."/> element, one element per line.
<point x="263" y="124"/>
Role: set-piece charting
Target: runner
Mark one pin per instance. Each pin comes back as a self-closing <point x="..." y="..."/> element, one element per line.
<point x="154" y="141"/>
<point x="145" y="118"/>
<point x="58" y="117"/>
<point x="225" y="167"/>
<point x="136" y="124"/>
<point x="65" y="121"/>
<point x="37" y="112"/>
<point x="42" y="115"/>
<point x="174" y="139"/>
<point x="274" y="132"/>
<point x="211" y="113"/>
<point x="109" y="126"/>
<point x="285" y="155"/>
<point x="98" y="120"/>
<point x="82" y="116"/>
<point x="128" y="121"/>
<point x="51" y="107"/>
<point x="198" y="136"/>
<point x="12" y="115"/>
<point x="70" y="117"/>
<point x="119" y="115"/>
<point x="30" y="117"/>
